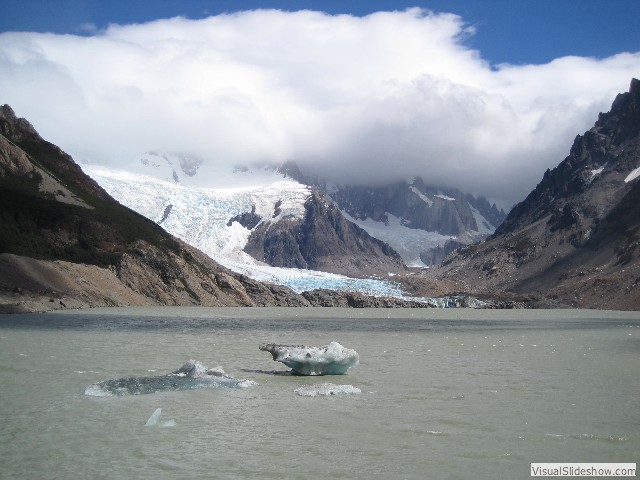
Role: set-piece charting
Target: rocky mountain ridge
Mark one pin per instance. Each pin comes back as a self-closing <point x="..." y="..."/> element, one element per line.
<point x="453" y="218"/>
<point x="321" y="240"/>
<point x="574" y="240"/>
<point x="423" y="223"/>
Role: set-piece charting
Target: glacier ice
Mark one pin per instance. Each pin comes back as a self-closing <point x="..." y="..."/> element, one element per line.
<point x="190" y="376"/>
<point x="300" y="280"/>
<point x="408" y="242"/>
<point x="200" y="216"/>
<point x="332" y="359"/>
<point x="326" y="389"/>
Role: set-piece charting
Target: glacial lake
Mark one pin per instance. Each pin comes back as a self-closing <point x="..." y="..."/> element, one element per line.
<point x="454" y="393"/>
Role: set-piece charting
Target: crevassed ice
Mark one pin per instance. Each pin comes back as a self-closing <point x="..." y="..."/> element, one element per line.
<point x="300" y="280"/>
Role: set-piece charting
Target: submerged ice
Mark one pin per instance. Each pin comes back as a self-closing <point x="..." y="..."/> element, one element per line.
<point x="191" y="375"/>
<point x="332" y="359"/>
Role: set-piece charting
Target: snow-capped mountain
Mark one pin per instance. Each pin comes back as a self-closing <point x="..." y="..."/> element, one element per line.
<point x="422" y="223"/>
<point x="262" y="213"/>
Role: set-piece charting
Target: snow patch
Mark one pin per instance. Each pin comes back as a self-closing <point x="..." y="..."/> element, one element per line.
<point x="422" y="196"/>
<point x="484" y="226"/>
<point x="300" y="280"/>
<point x="199" y="215"/>
<point x="633" y="175"/>
<point x="444" y="197"/>
<point x="408" y="242"/>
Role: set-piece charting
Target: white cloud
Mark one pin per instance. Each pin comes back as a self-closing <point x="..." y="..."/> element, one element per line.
<point x="388" y="95"/>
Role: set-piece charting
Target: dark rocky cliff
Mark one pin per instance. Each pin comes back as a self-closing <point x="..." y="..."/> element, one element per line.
<point x="573" y="241"/>
<point x="323" y="240"/>
<point x="447" y="212"/>
<point x="436" y="210"/>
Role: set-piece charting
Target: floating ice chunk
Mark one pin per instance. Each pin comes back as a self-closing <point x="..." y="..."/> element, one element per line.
<point x="326" y="389"/>
<point x="190" y="376"/>
<point x="332" y="359"/>
<point x="154" y="420"/>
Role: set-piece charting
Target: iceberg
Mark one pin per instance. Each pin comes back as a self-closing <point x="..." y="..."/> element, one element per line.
<point x="190" y="376"/>
<point x="326" y="389"/>
<point x="332" y="359"/>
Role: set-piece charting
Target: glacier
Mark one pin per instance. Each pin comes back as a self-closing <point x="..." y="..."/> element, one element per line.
<point x="332" y="359"/>
<point x="408" y="242"/>
<point x="192" y="375"/>
<point x="200" y="216"/>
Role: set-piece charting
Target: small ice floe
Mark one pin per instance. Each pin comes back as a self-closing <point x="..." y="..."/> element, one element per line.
<point x="190" y="376"/>
<point x="332" y="359"/>
<point x="154" y="420"/>
<point x="326" y="389"/>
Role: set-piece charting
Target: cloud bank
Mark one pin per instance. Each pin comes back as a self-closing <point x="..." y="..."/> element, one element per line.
<point x="387" y="96"/>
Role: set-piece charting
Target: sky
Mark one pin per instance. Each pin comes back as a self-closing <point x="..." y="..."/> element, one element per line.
<point x="479" y="95"/>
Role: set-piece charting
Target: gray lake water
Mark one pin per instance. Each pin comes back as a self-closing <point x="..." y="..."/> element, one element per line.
<point x="445" y="394"/>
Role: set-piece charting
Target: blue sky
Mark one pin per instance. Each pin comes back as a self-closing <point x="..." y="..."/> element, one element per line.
<point x="479" y="95"/>
<point x="513" y="31"/>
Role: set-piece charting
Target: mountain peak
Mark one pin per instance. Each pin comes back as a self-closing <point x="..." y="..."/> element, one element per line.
<point x="13" y="127"/>
<point x="628" y="100"/>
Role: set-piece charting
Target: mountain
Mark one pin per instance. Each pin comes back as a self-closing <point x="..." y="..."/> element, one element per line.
<point x="66" y="243"/>
<point x="422" y="223"/>
<point x="250" y="216"/>
<point x="347" y="229"/>
<point x="574" y="240"/>
<point x="323" y="239"/>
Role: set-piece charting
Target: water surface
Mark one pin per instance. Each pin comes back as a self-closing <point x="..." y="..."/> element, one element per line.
<point x="445" y="394"/>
